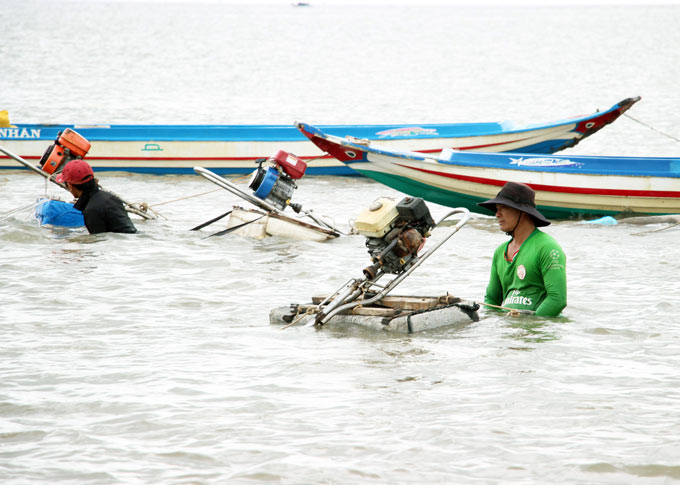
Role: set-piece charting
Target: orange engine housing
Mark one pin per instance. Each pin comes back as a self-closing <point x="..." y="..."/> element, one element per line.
<point x="74" y="142"/>
<point x="52" y="159"/>
<point x="68" y="145"/>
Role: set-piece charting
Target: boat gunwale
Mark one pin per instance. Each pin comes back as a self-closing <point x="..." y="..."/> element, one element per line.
<point x="152" y="132"/>
<point x="571" y="169"/>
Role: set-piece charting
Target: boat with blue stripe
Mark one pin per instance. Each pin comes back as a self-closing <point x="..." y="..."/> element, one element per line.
<point x="566" y="185"/>
<point x="233" y="149"/>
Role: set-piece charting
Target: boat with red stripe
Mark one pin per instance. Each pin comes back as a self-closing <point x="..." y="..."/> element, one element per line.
<point x="233" y="149"/>
<point x="566" y="185"/>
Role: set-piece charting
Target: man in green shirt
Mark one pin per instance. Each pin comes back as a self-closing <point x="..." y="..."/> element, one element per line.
<point x="529" y="271"/>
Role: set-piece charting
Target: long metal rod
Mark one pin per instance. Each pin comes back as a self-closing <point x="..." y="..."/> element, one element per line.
<point x="262" y="204"/>
<point x="225" y="184"/>
<point x="30" y="166"/>
<point x="349" y="292"/>
<point x="129" y="207"/>
<point x="428" y="253"/>
<point x="318" y="221"/>
<point x="393" y="284"/>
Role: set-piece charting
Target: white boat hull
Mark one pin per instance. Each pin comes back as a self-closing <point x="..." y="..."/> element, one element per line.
<point x="565" y="185"/>
<point x="259" y="225"/>
<point x="234" y="148"/>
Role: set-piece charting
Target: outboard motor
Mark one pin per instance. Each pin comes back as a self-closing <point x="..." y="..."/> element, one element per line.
<point x="276" y="184"/>
<point x="68" y="145"/>
<point x="395" y="233"/>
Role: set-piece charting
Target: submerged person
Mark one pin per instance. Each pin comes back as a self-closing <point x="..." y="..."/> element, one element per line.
<point x="529" y="271"/>
<point x="102" y="211"/>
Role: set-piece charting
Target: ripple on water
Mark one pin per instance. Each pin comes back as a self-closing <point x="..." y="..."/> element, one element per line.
<point x="149" y="358"/>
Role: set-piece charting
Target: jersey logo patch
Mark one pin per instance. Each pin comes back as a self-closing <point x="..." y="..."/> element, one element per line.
<point x="521" y="271"/>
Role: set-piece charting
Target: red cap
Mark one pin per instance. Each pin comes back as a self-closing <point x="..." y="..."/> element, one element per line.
<point x="76" y="172"/>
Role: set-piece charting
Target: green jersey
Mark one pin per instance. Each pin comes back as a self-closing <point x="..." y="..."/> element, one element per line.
<point x="536" y="278"/>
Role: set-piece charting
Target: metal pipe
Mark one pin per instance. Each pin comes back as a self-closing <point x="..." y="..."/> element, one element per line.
<point x="225" y="184"/>
<point x="30" y="166"/>
<point x="262" y="204"/>
<point x="128" y="207"/>
<point x="402" y="276"/>
<point x="319" y="221"/>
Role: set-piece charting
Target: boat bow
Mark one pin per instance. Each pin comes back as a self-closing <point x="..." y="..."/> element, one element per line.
<point x="566" y="185"/>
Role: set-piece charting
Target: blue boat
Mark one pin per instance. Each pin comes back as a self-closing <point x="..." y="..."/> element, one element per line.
<point x="233" y="149"/>
<point x="566" y="185"/>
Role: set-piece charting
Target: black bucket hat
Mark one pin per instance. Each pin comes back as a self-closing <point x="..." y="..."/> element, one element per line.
<point x="520" y="197"/>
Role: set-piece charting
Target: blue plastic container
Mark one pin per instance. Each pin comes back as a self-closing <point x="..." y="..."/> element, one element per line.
<point x="58" y="213"/>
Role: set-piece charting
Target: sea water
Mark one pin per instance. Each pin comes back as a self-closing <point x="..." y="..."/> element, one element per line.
<point x="149" y="358"/>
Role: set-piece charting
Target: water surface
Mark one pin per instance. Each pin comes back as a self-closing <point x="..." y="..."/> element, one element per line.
<point x="149" y="358"/>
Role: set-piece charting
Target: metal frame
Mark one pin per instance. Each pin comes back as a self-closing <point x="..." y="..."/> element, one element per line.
<point x="346" y="296"/>
<point x="262" y="204"/>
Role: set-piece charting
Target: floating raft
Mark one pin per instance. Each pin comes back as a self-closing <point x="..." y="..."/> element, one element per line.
<point x="260" y="224"/>
<point x="400" y="314"/>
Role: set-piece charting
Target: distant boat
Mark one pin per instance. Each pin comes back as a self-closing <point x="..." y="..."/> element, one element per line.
<point x="565" y="185"/>
<point x="300" y="4"/>
<point x="233" y="149"/>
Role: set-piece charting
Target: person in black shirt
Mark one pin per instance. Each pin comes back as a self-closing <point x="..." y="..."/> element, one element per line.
<point x="102" y="211"/>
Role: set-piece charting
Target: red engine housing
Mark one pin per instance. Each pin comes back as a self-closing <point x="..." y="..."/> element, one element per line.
<point x="295" y="167"/>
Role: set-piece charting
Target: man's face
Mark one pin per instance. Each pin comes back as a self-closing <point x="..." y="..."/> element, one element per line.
<point x="507" y="217"/>
<point x="74" y="192"/>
